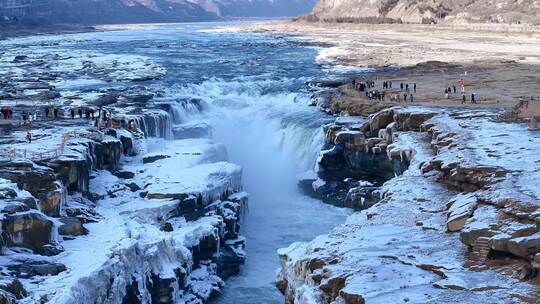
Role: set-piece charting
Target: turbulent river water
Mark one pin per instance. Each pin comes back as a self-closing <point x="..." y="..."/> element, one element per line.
<point x="254" y="90"/>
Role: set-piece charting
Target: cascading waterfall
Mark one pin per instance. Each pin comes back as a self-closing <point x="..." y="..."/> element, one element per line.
<point x="157" y="123"/>
<point x="274" y="136"/>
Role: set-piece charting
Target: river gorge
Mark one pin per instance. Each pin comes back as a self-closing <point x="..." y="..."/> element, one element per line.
<point x="187" y="163"/>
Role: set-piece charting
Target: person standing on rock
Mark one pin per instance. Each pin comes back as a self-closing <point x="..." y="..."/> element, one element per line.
<point x="454" y="89"/>
<point x="414" y="87"/>
<point x="29" y="137"/>
<point x="24" y="117"/>
<point x="401" y="86"/>
<point x="55" y="111"/>
<point x="412" y="98"/>
<point x="390" y="84"/>
<point x="473" y="98"/>
<point x="72" y="113"/>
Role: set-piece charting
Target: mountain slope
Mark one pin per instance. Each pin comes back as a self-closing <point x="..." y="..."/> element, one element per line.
<point x="427" y="11"/>
<point x="133" y="11"/>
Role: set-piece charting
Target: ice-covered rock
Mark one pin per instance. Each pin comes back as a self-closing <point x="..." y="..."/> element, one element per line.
<point x="403" y="238"/>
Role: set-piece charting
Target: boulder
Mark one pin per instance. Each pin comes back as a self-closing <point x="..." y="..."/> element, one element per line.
<point x="411" y="121"/>
<point x="52" y="204"/>
<point x="380" y="120"/>
<point x="71" y="226"/>
<point x="350" y="139"/>
<point x="13" y="287"/>
<point x="153" y="158"/>
<point x="526" y="247"/>
<point x="29" y="268"/>
<point x="167" y="227"/>
<point x="192" y="130"/>
<point x="40" y="181"/>
<point x="13" y="206"/>
<point x="20" y="58"/>
<point x="124" y="174"/>
<point x="6" y="193"/>
<point x="351" y="298"/>
<point x="30" y="230"/>
<point x="133" y="187"/>
<point x="459" y="209"/>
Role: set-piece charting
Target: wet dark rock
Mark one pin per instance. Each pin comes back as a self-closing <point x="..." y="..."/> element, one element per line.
<point x="20" y="58"/>
<point x="26" y="269"/>
<point x="86" y="214"/>
<point x="133" y="187"/>
<point x="167" y="227"/>
<point x="6" y="193"/>
<point x="30" y="230"/>
<point x="13" y="206"/>
<point x="40" y="181"/>
<point x="51" y="250"/>
<point x="154" y="158"/>
<point x="127" y="145"/>
<point x="190" y="207"/>
<point x="15" y="288"/>
<point x="229" y="260"/>
<point x="73" y="172"/>
<point x="72" y="226"/>
<point x="105" y="100"/>
<point x="124" y="174"/>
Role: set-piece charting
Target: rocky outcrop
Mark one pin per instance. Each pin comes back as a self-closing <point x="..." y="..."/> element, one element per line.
<point x="40" y="181"/>
<point x="449" y="225"/>
<point x="30" y="230"/>
<point x="366" y="150"/>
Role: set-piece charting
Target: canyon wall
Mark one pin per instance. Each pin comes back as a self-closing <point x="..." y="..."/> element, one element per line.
<point x="438" y="11"/>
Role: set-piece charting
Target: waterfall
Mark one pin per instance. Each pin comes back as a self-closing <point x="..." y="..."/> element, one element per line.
<point x="155" y="123"/>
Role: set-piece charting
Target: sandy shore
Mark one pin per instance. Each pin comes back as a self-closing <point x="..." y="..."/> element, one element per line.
<point x="500" y="64"/>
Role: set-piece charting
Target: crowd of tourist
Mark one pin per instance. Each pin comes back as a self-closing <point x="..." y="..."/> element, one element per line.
<point x="406" y="91"/>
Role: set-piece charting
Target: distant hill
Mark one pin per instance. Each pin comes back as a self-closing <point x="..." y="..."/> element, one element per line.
<point x="427" y="11"/>
<point x="133" y="11"/>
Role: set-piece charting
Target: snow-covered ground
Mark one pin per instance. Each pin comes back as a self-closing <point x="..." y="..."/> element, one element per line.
<point x="116" y="215"/>
<point x="402" y="248"/>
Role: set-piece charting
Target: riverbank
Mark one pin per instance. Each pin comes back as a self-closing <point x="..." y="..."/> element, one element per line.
<point x="458" y="224"/>
<point x="499" y="64"/>
<point x="8" y="30"/>
<point x="108" y="194"/>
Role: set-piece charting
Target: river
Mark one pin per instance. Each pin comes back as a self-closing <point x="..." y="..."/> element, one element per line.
<point x="253" y="88"/>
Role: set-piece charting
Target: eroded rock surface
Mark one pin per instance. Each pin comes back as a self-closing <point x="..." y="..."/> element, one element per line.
<point x="459" y="226"/>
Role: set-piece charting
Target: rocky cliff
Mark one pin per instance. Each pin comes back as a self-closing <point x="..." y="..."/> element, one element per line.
<point x="413" y="11"/>
<point x="92" y="212"/>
